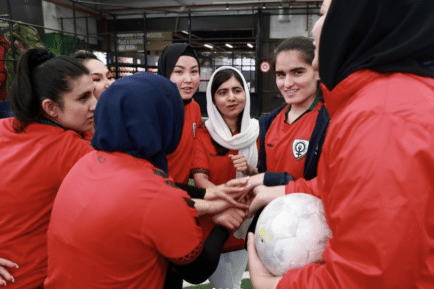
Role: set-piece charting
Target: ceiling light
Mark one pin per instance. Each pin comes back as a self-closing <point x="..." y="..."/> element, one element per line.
<point x="249" y="45"/>
<point x="185" y="32"/>
<point x="228" y="45"/>
<point x="208" y="46"/>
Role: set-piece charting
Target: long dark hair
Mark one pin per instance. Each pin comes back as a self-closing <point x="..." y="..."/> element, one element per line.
<point x="219" y="78"/>
<point x="40" y="75"/>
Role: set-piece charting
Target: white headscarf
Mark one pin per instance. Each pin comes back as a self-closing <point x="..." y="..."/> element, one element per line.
<point x="245" y="141"/>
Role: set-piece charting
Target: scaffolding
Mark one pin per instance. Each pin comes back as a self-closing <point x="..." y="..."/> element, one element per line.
<point x="130" y="51"/>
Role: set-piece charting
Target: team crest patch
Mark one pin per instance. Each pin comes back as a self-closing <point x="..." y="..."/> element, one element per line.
<point x="299" y="148"/>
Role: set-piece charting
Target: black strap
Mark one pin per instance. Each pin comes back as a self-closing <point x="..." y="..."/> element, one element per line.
<point x="204" y="266"/>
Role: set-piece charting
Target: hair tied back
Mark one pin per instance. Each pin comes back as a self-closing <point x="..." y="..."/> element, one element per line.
<point x="38" y="57"/>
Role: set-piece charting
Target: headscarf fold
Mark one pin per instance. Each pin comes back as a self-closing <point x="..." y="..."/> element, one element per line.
<point x="245" y="141"/>
<point x="142" y="115"/>
<point x="170" y="56"/>
<point x="381" y="35"/>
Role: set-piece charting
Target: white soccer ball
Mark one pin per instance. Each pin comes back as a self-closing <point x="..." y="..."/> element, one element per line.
<point x="291" y="232"/>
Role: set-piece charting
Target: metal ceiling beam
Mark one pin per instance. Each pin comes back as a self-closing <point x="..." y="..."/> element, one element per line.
<point x="227" y="4"/>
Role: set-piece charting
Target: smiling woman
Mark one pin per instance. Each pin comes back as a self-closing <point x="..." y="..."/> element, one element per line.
<point x="291" y="136"/>
<point x="101" y="76"/>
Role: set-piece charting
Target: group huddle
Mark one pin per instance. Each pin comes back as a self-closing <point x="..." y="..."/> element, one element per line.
<point x="96" y="175"/>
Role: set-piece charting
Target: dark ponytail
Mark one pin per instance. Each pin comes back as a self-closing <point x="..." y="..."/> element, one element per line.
<point x="40" y="75"/>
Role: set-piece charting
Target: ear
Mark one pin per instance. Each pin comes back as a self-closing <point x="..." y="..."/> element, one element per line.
<point x="317" y="75"/>
<point x="51" y="108"/>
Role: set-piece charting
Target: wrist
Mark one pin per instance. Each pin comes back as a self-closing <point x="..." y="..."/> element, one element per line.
<point x="251" y="170"/>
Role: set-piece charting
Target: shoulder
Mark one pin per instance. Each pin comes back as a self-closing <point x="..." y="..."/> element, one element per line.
<point x="266" y="119"/>
<point x="203" y="134"/>
<point x="169" y="198"/>
<point x="193" y="106"/>
<point x="396" y="95"/>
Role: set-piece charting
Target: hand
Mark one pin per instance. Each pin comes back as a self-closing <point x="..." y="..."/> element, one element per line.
<point x="231" y="219"/>
<point x="4" y="273"/>
<point x="259" y="274"/>
<point x="256" y="180"/>
<point x="241" y="165"/>
<point x="263" y="195"/>
<point x="219" y="205"/>
<point x="229" y="191"/>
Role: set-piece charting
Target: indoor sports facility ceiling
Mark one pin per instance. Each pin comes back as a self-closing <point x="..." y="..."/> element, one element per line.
<point x="221" y="7"/>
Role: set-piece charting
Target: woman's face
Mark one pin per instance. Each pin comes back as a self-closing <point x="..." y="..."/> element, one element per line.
<point x="78" y="106"/>
<point x="316" y="30"/>
<point x="230" y="98"/>
<point x="186" y="76"/>
<point x="101" y="76"/>
<point x="296" y="79"/>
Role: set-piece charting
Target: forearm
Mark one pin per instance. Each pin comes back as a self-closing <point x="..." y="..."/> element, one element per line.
<point x="203" y="266"/>
<point x="303" y="186"/>
<point x="202" y="206"/>
<point x="201" y="180"/>
<point x="193" y="192"/>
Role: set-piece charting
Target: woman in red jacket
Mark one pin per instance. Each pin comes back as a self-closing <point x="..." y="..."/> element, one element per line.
<point x="375" y="172"/>
<point x="53" y="103"/>
<point x="225" y="149"/>
<point x="180" y="64"/>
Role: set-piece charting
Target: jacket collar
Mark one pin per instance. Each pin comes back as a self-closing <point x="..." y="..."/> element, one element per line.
<point x="336" y="98"/>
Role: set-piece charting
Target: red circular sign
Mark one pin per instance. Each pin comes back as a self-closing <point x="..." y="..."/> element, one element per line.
<point x="265" y="66"/>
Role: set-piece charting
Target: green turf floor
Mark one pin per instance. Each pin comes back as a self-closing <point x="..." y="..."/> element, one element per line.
<point x="245" y="284"/>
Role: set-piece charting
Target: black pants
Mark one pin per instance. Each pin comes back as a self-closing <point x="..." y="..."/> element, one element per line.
<point x="173" y="279"/>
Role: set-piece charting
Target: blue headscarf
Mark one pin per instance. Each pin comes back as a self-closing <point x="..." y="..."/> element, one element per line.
<point x="141" y="115"/>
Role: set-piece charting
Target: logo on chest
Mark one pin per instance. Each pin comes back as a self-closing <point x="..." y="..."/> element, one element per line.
<point x="299" y="148"/>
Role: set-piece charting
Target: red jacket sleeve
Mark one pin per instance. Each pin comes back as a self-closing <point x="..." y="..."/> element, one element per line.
<point x="303" y="186"/>
<point x="174" y="224"/>
<point x="200" y="162"/>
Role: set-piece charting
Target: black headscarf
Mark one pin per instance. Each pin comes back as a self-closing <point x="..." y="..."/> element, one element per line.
<point x="141" y="115"/>
<point x="381" y="35"/>
<point x="170" y="56"/>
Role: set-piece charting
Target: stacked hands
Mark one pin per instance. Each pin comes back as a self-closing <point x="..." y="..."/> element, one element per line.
<point x="229" y="203"/>
<point x="238" y="199"/>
